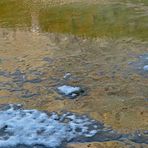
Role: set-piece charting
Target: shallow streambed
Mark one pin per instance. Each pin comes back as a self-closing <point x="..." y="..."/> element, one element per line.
<point x="98" y="46"/>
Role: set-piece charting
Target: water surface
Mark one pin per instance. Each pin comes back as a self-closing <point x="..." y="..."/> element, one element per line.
<point x="103" y="45"/>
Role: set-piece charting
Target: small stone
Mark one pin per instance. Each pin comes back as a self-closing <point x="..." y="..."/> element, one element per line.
<point x="67" y="75"/>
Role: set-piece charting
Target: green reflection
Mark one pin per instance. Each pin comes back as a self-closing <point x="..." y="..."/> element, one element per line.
<point x="95" y="20"/>
<point x="145" y="2"/>
<point x="14" y="13"/>
<point x="109" y="20"/>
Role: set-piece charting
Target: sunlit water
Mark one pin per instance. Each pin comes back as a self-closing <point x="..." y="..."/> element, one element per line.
<point x="98" y="46"/>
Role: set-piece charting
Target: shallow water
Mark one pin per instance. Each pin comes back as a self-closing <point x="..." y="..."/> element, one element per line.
<point x="102" y="46"/>
<point x="52" y="130"/>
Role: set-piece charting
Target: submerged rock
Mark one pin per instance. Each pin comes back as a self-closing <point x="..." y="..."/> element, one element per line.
<point x="70" y="91"/>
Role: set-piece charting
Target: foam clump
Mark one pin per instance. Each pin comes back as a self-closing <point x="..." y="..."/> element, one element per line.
<point x="145" y="68"/>
<point x="71" y="91"/>
<point x="32" y="127"/>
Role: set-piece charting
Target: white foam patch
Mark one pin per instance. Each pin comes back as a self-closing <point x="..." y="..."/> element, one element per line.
<point x="33" y="127"/>
<point x="68" y="90"/>
<point x="145" y="68"/>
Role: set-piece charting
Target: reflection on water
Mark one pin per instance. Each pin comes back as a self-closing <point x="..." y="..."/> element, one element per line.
<point x="13" y="13"/>
<point x="114" y="19"/>
<point x="100" y="44"/>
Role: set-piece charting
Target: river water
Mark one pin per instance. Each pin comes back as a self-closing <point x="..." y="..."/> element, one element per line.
<point x="100" y="46"/>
